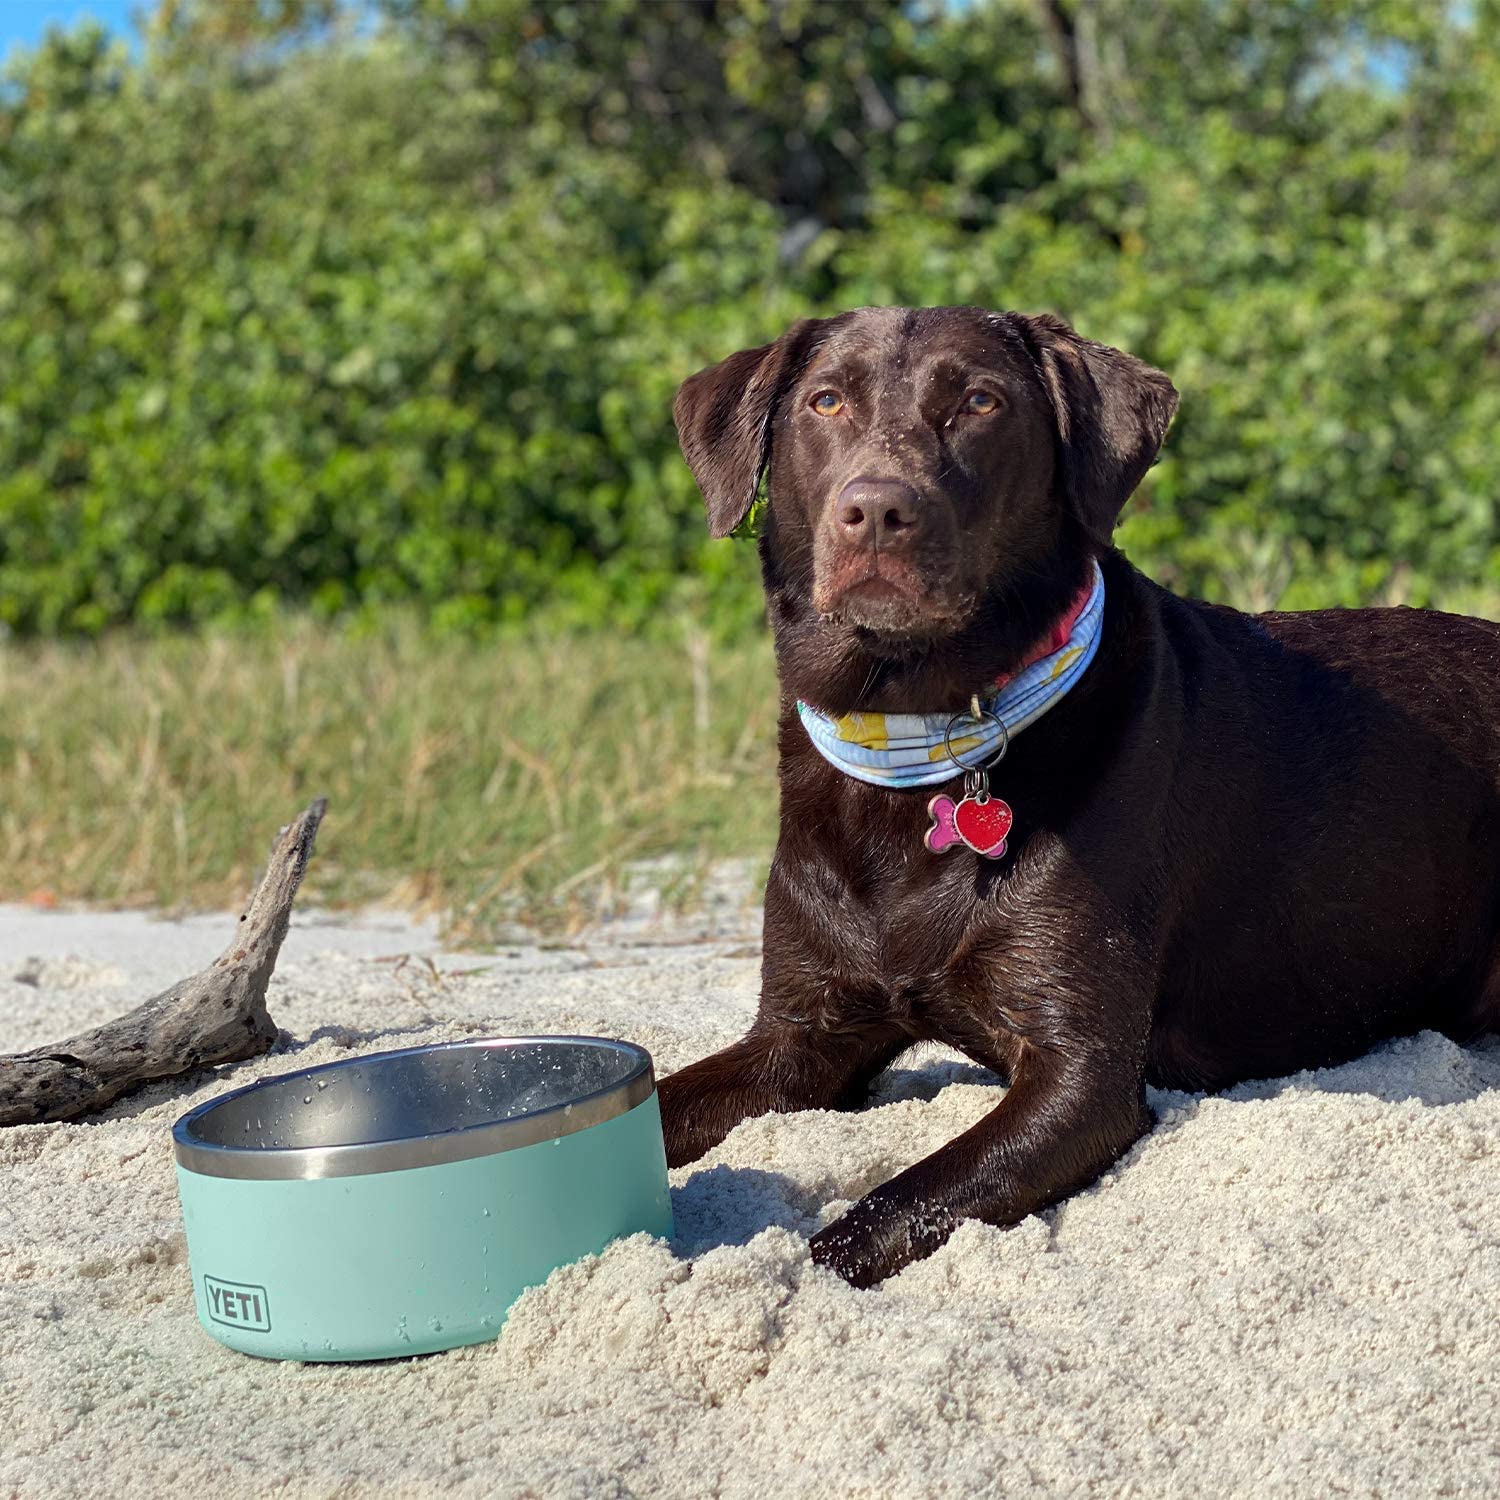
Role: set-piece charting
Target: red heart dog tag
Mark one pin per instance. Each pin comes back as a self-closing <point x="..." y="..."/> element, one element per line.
<point x="983" y="822"/>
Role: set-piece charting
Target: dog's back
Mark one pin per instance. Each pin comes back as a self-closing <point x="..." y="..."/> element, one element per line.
<point x="1353" y="772"/>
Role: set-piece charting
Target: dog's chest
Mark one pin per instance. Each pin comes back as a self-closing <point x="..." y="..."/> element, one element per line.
<point x="866" y="925"/>
<point x="921" y="946"/>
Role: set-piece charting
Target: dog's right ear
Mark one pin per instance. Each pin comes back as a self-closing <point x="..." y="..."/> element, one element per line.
<point x="723" y="416"/>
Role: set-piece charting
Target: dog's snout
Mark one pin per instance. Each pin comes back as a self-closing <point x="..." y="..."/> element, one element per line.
<point x="877" y="511"/>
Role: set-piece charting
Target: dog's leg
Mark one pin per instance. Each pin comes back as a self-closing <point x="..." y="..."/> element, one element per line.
<point x="1061" y="1124"/>
<point x="778" y="1067"/>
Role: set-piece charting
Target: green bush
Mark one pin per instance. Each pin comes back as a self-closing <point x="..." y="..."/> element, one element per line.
<point x="334" y="317"/>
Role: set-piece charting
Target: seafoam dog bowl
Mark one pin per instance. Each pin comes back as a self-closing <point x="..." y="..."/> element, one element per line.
<point x="398" y="1203"/>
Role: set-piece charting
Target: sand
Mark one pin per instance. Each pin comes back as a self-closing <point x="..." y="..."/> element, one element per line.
<point x="1291" y="1290"/>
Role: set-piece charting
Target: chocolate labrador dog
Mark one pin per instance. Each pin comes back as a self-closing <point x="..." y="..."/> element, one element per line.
<point x="1238" y="845"/>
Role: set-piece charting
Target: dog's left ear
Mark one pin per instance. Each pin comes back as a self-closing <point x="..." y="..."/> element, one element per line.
<point x="1112" y="412"/>
<point x="723" y="416"/>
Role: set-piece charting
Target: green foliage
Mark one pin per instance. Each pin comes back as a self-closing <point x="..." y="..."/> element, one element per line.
<point x="296" y="309"/>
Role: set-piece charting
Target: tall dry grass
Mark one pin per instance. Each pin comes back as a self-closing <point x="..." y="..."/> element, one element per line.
<point x="493" y="783"/>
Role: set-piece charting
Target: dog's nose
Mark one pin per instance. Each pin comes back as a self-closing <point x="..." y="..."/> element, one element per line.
<point x="877" y="511"/>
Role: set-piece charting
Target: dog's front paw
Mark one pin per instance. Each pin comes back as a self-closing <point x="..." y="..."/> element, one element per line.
<point x="682" y="1135"/>
<point x="879" y="1235"/>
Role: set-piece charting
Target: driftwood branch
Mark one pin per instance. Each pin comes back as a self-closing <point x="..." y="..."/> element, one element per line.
<point x="217" y="1016"/>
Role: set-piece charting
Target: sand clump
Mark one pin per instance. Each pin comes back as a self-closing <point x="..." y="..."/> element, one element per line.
<point x="1293" y="1289"/>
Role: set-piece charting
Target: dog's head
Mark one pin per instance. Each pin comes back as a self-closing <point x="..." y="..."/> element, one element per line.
<point x="938" y="482"/>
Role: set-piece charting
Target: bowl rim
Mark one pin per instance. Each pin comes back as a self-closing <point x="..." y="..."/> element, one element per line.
<point x="402" y="1153"/>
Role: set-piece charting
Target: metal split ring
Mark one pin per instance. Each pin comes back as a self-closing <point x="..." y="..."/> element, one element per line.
<point x="978" y="720"/>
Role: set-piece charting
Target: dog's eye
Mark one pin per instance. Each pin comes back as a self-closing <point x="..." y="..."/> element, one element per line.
<point x="980" y="403"/>
<point x="827" y="403"/>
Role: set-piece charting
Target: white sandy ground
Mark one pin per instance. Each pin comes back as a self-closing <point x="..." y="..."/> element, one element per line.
<point x="1292" y="1290"/>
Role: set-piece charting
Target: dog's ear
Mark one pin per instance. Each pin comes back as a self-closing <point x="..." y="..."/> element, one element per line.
<point x="1112" y="412"/>
<point x="723" y="416"/>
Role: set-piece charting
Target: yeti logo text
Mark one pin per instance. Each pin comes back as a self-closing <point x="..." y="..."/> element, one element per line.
<point x="238" y="1305"/>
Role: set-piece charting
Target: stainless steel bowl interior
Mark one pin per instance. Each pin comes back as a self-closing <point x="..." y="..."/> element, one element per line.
<point x="421" y="1106"/>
